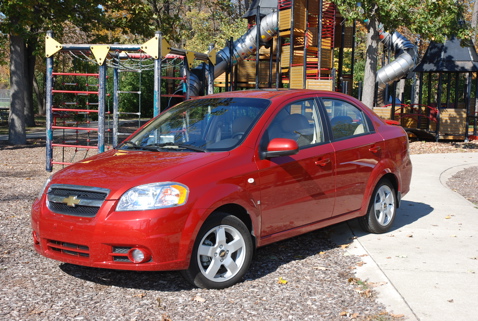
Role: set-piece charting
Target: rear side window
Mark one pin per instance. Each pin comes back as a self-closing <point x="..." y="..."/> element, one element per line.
<point x="346" y="120"/>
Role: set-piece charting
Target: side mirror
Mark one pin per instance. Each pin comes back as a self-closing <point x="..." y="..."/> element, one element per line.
<point x="281" y="147"/>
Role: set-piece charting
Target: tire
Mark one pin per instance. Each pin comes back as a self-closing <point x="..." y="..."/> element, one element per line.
<point x="222" y="253"/>
<point x="382" y="209"/>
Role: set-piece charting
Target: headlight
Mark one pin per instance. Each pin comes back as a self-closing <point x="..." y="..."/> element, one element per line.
<point x="40" y="193"/>
<point x="153" y="196"/>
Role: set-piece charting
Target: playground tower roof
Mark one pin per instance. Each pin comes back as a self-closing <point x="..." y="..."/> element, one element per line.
<point x="454" y="55"/>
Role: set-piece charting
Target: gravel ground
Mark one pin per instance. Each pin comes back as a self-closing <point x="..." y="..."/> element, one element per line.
<point x="287" y="281"/>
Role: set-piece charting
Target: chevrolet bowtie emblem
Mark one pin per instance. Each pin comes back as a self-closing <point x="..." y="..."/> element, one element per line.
<point x="71" y="201"/>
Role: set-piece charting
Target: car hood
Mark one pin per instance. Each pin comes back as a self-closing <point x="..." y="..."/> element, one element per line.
<point x="119" y="170"/>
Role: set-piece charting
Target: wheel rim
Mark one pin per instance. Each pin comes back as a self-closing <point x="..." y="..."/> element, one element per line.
<point x="384" y="205"/>
<point x="221" y="253"/>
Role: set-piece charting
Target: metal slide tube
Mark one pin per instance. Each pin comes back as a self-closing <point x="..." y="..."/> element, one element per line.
<point x="242" y="48"/>
<point x="405" y="54"/>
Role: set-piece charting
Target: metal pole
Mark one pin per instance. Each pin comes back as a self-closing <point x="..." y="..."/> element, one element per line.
<point x="278" y="59"/>
<point x="475" y="107"/>
<point x="258" y="43"/>
<point x="439" y="93"/>
<point x="340" y="76"/>
<point x="157" y="78"/>
<point x="210" y="74"/>
<point x="469" y="79"/>
<point x="101" y="108"/>
<point x="187" y="75"/>
<point x="49" y="102"/>
<point x="319" y="33"/>
<point x="304" y="59"/>
<point x="353" y="57"/>
<point x="115" y="101"/>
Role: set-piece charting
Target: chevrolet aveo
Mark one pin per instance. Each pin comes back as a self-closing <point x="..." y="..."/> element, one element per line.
<point x="205" y="183"/>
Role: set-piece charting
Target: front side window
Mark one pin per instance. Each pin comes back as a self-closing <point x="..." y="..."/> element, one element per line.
<point x="214" y="124"/>
<point x="299" y="121"/>
<point x="346" y="120"/>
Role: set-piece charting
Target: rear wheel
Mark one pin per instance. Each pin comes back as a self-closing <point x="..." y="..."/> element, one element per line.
<point x="382" y="208"/>
<point x="222" y="253"/>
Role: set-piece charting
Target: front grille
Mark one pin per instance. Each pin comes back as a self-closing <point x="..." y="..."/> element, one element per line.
<point x="76" y="200"/>
<point x="81" y="251"/>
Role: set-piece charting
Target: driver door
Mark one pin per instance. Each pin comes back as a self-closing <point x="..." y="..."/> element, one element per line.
<point x="297" y="190"/>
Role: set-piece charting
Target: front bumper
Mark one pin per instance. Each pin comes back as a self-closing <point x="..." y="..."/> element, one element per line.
<point x="104" y="241"/>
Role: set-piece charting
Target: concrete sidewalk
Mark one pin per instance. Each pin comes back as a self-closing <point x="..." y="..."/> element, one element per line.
<point x="426" y="267"/>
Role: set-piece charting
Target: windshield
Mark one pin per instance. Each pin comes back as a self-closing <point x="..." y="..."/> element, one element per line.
<point x="210" y="124"/>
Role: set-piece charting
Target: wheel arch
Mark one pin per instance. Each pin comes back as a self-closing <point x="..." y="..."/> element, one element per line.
<point x="393" y="179"/>
<point x="240" y="212"/>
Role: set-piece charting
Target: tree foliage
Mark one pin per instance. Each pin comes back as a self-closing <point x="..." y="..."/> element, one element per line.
<point x="431" y="19"/>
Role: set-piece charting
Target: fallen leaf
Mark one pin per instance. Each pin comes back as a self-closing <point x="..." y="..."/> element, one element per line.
<point x="448" y="217"/>
<point x="376" y="284"/>
<point x="410" y="235"/>
<point x="451" y="300"/>
<point x="282" y="281"/>
<point x="197" y="298"/>
<point x="344" y="246"/>
<point x="322" y="268"/>
<point x="360" y="263"/>
<point x="139" y="295"/>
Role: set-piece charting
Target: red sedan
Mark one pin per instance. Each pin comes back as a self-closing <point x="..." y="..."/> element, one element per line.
<point x="202" y="185"/>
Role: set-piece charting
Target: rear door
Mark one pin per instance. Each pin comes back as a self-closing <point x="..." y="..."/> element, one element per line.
<point x="358" y="149"/>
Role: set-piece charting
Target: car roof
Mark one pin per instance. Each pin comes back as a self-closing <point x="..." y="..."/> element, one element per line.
<point x="272" y="94"/>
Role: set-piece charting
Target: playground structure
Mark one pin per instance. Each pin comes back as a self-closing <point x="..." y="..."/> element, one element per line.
<point x="293" y="43"/>
<point x="447" y="91"/>
<point x="290" y="43"/>
<point x="80" y="118"/>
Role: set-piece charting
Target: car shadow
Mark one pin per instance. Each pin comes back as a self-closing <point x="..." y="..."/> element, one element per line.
<point x="266" y="260"/>
<point x="410" y="212"/>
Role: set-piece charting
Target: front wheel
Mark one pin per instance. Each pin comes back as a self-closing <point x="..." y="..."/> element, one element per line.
<point x="222" y="253"/>
<point x="382" y="209"/>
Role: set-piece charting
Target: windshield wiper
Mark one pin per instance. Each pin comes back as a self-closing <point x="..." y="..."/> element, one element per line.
<point x="173" y="146"/>
<point x="132" y="144"/>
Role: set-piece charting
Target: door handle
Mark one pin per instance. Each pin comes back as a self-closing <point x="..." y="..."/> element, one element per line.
<point x="375" y="149"/>
<point x="323" y="162"/>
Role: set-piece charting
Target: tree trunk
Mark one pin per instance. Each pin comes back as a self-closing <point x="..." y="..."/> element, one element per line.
<point x="371" y="61"/>
<point x="40" y="97"/>
<point x="474" y="16"/>
<point x="29" y="74"/>
<point x="400" y="90"/>
<point x="16" y="119"/>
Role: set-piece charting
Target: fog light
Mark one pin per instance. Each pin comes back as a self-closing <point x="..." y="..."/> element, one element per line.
<point x="139" y="255"/>
<point x="36" y="239"/>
